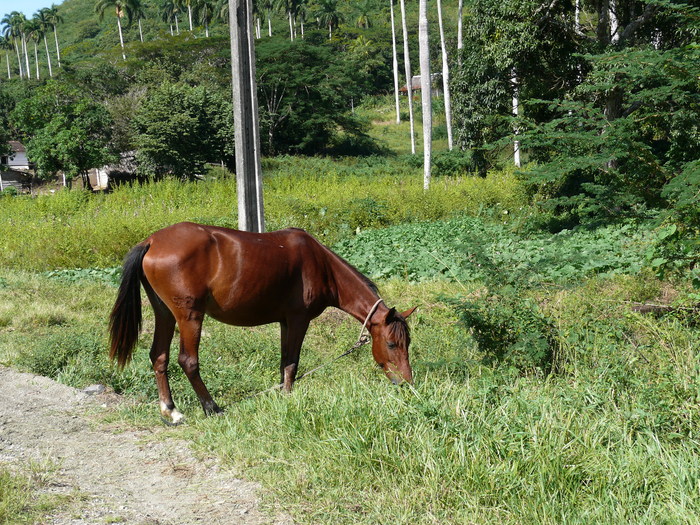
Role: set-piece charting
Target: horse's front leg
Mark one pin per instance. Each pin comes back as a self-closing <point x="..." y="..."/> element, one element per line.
<point x="190" y="334"/>
<point x="292" y="332"/>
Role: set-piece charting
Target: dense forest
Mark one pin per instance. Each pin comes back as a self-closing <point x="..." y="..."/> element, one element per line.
<point x="601" y="98"/>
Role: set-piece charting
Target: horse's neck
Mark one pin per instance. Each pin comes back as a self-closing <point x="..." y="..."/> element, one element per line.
<point x="354" y="295"/>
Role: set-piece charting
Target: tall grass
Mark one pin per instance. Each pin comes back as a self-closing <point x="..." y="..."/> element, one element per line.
<point x="330" y="199"/>
<point x="611" y="438"/>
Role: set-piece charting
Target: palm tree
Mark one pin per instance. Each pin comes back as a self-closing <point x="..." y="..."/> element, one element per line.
<point x="188" y="4"/>
<point x="54" y="18"/>
<point x="42" y="18"/>
<point x="445" y="78"/>
<point x="6" y="44"/>
<point x="460" y="42"/>
<point x="395" y="61"/>
<point x="362" y="10"/>
<point x="204" y="11"/>
<point x="300" y="14"/>
<point x="169" y="9"/>
<point x="424" y="53"/>
<point x="22" y="25"/>
<point x="221" y="11"/>
<point x="11" y="32"/>
<point x="328" y="15"/>
<point x="268" y="6"/>
<point x="34" y="33"/>
<point x="288" y="8"/>
<point x="139" y="13"/>
<point x="409" y="77"/>
<point x="121" y="8"/>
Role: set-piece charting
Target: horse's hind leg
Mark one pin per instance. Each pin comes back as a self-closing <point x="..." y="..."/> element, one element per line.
<point x="160" y="355"/>
<point x="190" y="334"/>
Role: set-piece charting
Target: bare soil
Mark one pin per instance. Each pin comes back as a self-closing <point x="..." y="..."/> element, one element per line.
<point x="114" y="475"/>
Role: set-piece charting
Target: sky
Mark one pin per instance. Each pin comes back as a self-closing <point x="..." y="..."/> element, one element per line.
<point x="28" y="7"/>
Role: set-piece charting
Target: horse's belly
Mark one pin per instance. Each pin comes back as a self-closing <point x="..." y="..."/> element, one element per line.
<point x="262" y="309"/>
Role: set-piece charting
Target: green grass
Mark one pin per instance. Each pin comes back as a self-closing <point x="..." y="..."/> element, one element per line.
<point x="22" y="496"/>
<point x="610" y="437"/>
<point x="332" y="200"/>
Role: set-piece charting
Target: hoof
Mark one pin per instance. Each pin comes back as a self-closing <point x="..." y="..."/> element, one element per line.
<point x="171" y="417"/>
<point x="213" y="410"/>
<point x="172" y="423"/>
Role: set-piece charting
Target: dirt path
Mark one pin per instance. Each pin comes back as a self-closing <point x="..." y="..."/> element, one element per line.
<point x="116" y="476"/>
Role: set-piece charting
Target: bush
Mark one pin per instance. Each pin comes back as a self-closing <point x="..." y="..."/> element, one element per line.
<point x="510" y="331"/>
<point x="455" y="162"/>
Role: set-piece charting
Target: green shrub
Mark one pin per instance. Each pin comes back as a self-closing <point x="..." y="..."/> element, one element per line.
<point x="510" y="331"/>
<point x="52" y="355"/>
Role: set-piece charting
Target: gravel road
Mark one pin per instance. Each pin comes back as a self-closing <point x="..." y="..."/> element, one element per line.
<point x="114" y="475"/>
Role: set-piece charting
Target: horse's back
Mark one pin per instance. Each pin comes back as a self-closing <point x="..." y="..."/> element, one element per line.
<point x="237" y="277"/>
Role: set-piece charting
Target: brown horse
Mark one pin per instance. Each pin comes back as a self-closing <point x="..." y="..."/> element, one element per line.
<point x="244" y="279"/>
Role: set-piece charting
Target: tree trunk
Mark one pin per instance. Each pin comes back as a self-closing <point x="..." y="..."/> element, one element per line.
<point x="291" y="26"/>
<point x="445" y="78"/>
<point x="409" y="78"/>
<point x="26" y="56"/>
<point x="19" y="60"/>
<point x="121" y="37"/>
<point x="189" y="15"/>
<point x="48" y="57"/>
<point x="395" y="63"/>
<point x="140" y="31"/>
<point x="269" y="24"/>
<point x="7" y="59"/>
<point x="460" y="41"/>
<point x="36" y="60"/>
<point x="516" y="111"/>
<point x="614" y="25"/>
<point x="577" y="17"/>
<point x="58" y="50"/>
<point x="424" y="49"/>
<point x="245" y="117"/>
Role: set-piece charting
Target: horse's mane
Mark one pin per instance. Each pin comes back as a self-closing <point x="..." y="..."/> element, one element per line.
<point x="398" y="327"/>
<point x="366" y="280"/>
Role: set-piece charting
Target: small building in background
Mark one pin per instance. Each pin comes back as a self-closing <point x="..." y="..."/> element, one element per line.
<point x="435" y="84"/>
<point x="15" y="169"/>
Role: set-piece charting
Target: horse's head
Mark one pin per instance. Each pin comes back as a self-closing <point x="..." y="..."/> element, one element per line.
<point x="390" y="340"/>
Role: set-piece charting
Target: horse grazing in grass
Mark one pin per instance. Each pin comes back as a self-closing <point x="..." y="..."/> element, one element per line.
<point x="244" y="279"/>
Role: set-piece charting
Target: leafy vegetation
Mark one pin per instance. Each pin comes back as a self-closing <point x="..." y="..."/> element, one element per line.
<point x="470" y="249"/>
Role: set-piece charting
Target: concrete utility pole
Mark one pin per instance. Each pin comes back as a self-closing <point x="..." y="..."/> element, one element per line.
<point x="426" y="95"/>
<point x="245" y="117"/>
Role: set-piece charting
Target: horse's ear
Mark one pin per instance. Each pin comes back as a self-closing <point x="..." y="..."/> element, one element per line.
<point x="408" y="312"/>
<point x="390" y="315"/>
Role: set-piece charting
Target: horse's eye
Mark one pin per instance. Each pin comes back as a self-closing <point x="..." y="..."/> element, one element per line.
<point x="391" y="346"/>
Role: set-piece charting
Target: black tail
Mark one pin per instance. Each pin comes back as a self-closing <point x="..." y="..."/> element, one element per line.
<point x="125" y="319"/>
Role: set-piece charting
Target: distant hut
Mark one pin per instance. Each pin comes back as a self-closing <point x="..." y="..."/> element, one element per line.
<point x="15" y="169"/>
